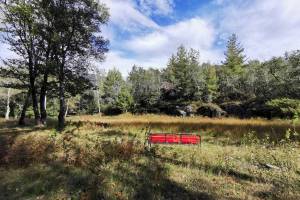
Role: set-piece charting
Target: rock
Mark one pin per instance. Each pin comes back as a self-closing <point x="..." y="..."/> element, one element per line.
<point x="235" y="109"/>
<point x="269" y="166"/>
<point x="210" y="110"/>
<point x="189" y="110"/>
<point x="182" y="113"/>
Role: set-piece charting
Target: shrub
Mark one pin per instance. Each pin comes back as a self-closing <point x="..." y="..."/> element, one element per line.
<point x="210" y="110"/>
<point x="112" y="110"/>
<point x="28" y="149"/>
<point x="234" y="109"/>
<point x="289" y="107"/>
<point x="122" y="150"/>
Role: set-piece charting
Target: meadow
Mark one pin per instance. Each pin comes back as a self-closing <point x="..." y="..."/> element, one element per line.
<point x="98" y="157"/>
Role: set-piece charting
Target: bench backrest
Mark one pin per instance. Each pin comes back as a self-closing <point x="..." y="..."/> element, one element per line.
<point x="170" y="138"/>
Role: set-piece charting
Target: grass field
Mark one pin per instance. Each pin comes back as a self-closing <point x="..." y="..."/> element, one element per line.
<point x="105" y="158"/>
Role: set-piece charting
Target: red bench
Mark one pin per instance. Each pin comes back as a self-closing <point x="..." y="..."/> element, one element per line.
<point x="171" y="138"/>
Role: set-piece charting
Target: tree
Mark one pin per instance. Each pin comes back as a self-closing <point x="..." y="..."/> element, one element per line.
<point x="124" y="99"/>
<point x="75" y="36"/>
<point x="112" y="86"/>
<point x="8" y="104"/>
<point x="230" y="82"/>
<point x="99" y="90"/>
<point x="183" y="71"/>
<point x="145" y="88"/>
<point x="20" y="34"/>
<point x="234" y="61"/>
<point x="51" y="35"/>
<point x="294" y="73"/>
<point x="211" y="83"/>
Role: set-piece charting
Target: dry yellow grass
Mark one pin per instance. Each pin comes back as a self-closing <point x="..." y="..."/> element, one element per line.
<point x="275" y="129"/>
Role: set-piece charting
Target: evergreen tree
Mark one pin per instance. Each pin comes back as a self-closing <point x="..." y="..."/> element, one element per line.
<point x="112" y="86"/>
<point x="145" y="86"/>
<point x="232" y="71"/>
<point x="210" y="92"/>
<point x="184" y="73"/>
<point x="234" y="61"/>
<point x="125" y="99"/>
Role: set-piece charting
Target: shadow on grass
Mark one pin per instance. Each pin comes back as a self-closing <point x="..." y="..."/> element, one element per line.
<point x="141" y="176"/>
<point x="147" y="181"/>
<point x="45" y="181"/>
<point x="217" y="170"/>
<point x="150" y="180"/>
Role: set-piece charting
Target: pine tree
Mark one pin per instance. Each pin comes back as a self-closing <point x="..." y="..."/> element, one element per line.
<point x="235" y="58"/>
<point x="211" y="83"/>
<point x="232" y="71"/>
<point x="112" y="86"/>
<point x="183" y="72"/>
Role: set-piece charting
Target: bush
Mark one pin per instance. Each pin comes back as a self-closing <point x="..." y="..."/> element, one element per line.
<point x="210" y="110"/>
<point x="112" y="110"/>
<point x="257" y="108"/>
<point x="28" y="149"/>
<point x="289" y="107"/>
<point x="235" y="109"/>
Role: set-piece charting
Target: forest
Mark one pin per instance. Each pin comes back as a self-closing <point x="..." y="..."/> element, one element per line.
<point x="53" y="73"/>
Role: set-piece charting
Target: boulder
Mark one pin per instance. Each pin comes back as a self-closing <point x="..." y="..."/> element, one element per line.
<point x="235" y="109"/>
<point x="111" y="110"/>
<point x="181" y="113"/>
<point x="210" y="110"/>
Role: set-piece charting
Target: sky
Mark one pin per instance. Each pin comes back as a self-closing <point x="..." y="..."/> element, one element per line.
<point x="147" y="32"/>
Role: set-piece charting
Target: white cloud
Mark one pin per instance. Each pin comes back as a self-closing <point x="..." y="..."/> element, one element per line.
<point x="116" y="59"/>
<point x="160" y="7"/>
<point x="125" y="15"/>
<point x="154" y="49"/>
<point x="266" y="28"/>
<point x="194" y="33"/>
<point x="5" y="53"/>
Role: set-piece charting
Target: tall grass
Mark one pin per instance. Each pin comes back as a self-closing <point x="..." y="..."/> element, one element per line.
<point x="237" y="128"/>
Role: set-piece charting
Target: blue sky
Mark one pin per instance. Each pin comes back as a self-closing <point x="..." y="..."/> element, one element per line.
<point x="147" y="32"/>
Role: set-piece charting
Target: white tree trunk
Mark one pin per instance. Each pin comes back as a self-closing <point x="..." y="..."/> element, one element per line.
<point x="7" y="105"/>
<point x="98" y="102"/>
<point x="67" y="109"/>
<point x="45" y="102"/>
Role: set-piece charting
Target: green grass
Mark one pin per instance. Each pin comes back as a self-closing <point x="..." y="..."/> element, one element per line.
<point x="105" y="158"/>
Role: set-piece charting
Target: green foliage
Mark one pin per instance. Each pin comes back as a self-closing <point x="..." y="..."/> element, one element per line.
<point x="235" y="59"/>
<point x="232" y="71"/>
<point x="125" y="99"/>
<point x="211" y="83"/>
<point x="112" y="86"/>
<point x="145" y="87"/>
<point x="286" y="105"/>
<point x="183" y="71"/>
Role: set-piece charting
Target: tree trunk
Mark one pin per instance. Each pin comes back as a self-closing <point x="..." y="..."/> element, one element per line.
<point x="43" y="97"/>
<point x="32" y="77"/>
<point x="24" y="109"/>
<point x="7" y="105"/>
<point x="67" y="109"/>
<point x="98" y="102"/>
<point x="62" y="104"/>
<point x="37" y="116"/>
